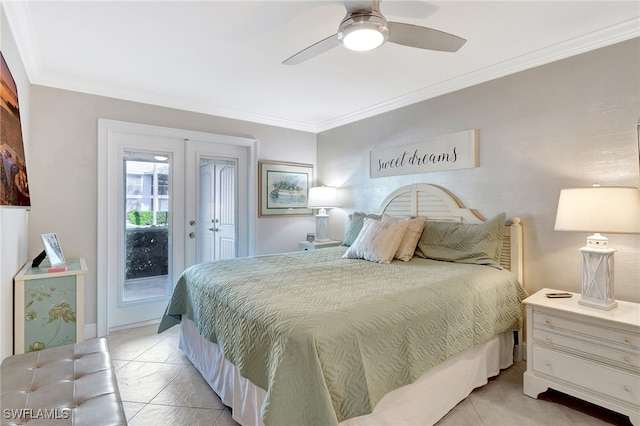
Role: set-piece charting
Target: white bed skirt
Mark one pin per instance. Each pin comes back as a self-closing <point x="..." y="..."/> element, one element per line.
<point x="423" y="402"/>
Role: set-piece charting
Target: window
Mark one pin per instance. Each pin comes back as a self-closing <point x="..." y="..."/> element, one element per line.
<point x="146" y="228"/>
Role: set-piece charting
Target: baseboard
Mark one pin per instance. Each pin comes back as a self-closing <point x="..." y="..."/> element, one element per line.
<point x="517" y="354"/>
<point x="90" y="331"/>
<point x="134" y="325"/>
<point x="518" y="346"/>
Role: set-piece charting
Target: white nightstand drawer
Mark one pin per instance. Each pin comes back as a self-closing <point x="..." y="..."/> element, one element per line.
<point x="598" y="378"/>
<point x="586" y="348"/>
<point x="589" y="353"/>
<point x="626" y="339"/>
<point x="304" y="245"/>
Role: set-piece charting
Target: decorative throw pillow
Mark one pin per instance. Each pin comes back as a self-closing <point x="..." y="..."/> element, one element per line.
<point x="377" y="241"/>
<point x="354" y="225"/>
<point x="463" y="243"/>
<point x="410" y="240"/>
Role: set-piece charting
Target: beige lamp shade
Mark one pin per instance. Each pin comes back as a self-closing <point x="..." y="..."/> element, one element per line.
<point x="322" y="197"/>
<point x="610" y="209"/>
<point x="602" y="209"/>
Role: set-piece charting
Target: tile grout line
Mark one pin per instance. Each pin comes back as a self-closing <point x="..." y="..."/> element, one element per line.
<point x="164" y="387"/>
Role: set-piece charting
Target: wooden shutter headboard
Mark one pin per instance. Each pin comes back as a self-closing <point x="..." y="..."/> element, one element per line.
<point x="436" y="204"/>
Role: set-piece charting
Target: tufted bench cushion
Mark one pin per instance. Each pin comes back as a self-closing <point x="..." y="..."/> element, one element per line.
<point x="66" y="385"/>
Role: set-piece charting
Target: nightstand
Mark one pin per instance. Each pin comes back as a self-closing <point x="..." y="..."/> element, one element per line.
<point x="304" y="245"/>
<point x="49" y="306"/>
<point x="589" y="353"/>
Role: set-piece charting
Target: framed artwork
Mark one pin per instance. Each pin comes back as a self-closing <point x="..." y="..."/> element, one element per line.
<point x="284" y="188"/>
<point x="14" y="187"/>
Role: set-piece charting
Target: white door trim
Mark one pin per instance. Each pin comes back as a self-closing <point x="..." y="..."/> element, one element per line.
<point x="105" y="127"/>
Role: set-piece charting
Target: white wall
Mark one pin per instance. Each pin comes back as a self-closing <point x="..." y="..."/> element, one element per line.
<point x="13" y="221"/>
<point x="567" y="124"/>
<point x="13" y="254"/>
<point x="63" y="170"/>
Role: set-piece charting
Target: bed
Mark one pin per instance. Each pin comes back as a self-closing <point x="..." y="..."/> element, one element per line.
<point x="325" y="337"/>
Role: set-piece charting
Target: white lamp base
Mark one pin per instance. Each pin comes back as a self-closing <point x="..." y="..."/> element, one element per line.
<point x="322" y="223"/>
<point x="597" y="278"/>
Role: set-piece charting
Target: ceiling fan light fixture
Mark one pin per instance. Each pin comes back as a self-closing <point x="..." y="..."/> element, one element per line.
<point x="365" y="28"/>
<point x="363" y="32"/>
<point x="363" y="39"/>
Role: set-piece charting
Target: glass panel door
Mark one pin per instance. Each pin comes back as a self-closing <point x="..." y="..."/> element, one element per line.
<point x="147" y="213"/>
<point x="147" y="257"/>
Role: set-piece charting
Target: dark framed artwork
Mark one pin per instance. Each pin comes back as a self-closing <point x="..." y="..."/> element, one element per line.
<point x="14" y="186"/>
<point x="284" y="188"/>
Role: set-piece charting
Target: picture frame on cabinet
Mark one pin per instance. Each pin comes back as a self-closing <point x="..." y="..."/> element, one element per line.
<point x="53" y="249"/>
<point x="284" y="188"/>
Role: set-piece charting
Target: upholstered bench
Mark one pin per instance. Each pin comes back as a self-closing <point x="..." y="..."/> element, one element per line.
<point x="66" y="385"/>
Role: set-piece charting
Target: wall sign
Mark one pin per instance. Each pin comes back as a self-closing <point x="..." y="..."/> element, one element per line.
<point x="449" y="152"/>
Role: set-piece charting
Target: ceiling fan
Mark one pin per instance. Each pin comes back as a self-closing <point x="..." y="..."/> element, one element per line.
<point x="365" y="28"/>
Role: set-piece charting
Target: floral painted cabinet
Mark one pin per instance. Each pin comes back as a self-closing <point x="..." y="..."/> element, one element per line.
<point x="49" y="306"/>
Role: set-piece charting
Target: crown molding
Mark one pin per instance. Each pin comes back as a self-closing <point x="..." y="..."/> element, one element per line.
<point x="614" y="34"/>
<point x="19" y="20"/>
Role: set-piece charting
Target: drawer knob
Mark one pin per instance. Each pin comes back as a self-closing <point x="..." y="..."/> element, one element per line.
<point x="627" y="358"/>
<point x="548" y="363"/>
<point x="627" y="388"/>
<point x="548" y="338"/>
<point x="627" y="339"/>
<point x="548" y="321"/>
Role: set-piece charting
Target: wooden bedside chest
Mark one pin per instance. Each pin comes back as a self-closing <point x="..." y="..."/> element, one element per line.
<point x="589" y="353"/>
<point x="304" y="245"/>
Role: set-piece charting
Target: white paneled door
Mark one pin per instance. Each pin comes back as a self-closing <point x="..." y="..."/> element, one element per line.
<point x="216" y="222"/>
<point x="167" y="199"/>
<point x="215" y="207"/>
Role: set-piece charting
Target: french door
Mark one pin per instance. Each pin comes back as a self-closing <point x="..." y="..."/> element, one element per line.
<point x="214" y="206"/>
<point x="216" y="223"/>
<point x="167" y="200"/>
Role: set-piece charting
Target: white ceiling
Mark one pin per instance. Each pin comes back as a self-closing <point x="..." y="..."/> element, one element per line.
<point x="224" y="58"/>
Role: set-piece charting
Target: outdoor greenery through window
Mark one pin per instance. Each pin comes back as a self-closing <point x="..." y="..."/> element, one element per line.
<point x="146" y="230"/>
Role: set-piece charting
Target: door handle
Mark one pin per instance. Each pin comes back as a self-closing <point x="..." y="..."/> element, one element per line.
<point x="213" y="229"/>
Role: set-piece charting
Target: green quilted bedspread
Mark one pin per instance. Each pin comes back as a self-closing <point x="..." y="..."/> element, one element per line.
<point x="327" y="337"/>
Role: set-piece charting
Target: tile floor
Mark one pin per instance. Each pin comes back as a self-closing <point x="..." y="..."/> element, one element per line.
<point x="159" y="386"/>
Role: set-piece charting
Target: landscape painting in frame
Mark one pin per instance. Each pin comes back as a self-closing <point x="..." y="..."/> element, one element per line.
<point x="14" y="187"/>
<point x="284" y="188"/>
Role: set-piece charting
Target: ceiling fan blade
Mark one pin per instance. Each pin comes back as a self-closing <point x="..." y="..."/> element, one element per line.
<point x="314" y="50"/>
<point x="423" y="37"/>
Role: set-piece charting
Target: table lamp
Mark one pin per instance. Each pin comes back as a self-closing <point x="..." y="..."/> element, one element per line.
<point x="322" y="198"/>
<point x="598" y="209"/>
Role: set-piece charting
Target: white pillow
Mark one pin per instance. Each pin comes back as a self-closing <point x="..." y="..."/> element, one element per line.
<point x="411" y="237"/>
<point x="377" y="241"/>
